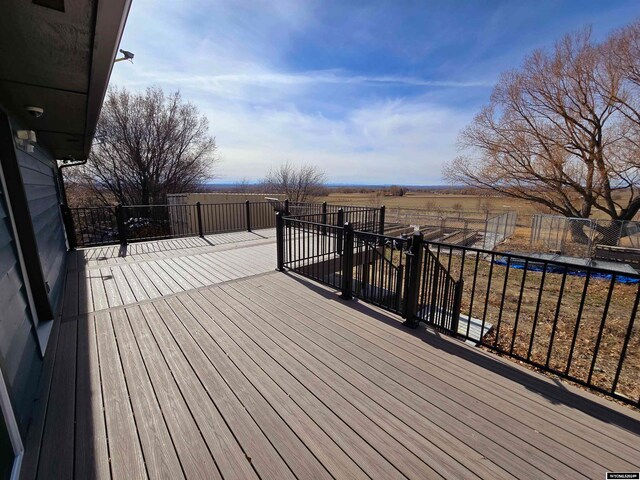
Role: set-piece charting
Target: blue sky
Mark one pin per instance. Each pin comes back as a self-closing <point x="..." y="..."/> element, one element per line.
<point x="373" y="92"/>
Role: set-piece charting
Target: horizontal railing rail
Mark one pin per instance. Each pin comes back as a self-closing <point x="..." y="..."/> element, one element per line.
<point x="576" y="321"/>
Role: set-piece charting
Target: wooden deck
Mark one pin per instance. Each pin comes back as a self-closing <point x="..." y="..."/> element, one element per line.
<point x="112" y="276"/>
<point x="272" y="376"/>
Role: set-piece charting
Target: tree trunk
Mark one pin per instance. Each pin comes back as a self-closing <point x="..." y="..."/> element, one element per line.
<point x="609" y="232"/>
<point x="577" y="232"/>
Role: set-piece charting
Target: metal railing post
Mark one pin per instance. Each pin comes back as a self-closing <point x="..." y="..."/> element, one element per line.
<point x="69" y="227"/>
<point x="381" y="225"/>
<point x="414" y="263"/>
<point x="286" y="207"/>
<point x="339" y="239"/>
<point x="199" y="216"/>
<point x="122" y="227"/>
<point x="457" y="303"/>
<point x="347" y="263"/>
<point x="279" y="242"/>
<point x="324" y="218"/>
<point x="248" y="215"/>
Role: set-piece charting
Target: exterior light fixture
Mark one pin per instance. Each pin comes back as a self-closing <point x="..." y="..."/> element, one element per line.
<point x="26" y="139"/>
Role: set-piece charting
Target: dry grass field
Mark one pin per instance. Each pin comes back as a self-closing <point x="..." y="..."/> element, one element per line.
<point x="433" y="201"/>
<point x="556" y="309"/>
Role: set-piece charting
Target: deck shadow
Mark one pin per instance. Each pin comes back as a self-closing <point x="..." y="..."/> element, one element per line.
<point x="552" y="389"/>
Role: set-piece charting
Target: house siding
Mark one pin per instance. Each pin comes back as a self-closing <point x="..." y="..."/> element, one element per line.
<point x="20" y="355"/>
<point x="20" y="359"/>
<point x="40" y="183"/>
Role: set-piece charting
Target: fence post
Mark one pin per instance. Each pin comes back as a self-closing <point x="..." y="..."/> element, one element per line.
<point x="381" y="226"/>
<point x="122" y="227"/>
<point x="324" y="218"/>
<point x="339" y="232"/>
<point x="199" y="216"/>
<point x="286" y="207"/>
<point x="347" y="263"/>
<point x="457" y="303"/>
<point x="248" y="215"/>
<point x="506" y="224"/>
<point x="620" y="224"/>
<point x="69" y="227"/>
<point x="279" y="242"/>
<point x="486" y="225"/>
<point x="414" y="263"/>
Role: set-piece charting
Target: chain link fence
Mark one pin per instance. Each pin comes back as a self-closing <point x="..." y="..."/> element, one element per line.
<point x="479" y="229"/>
<point x="581" y="237"/>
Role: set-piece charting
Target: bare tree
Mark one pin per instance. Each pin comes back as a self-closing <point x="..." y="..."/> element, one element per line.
<point x="299" y="183"/>
<point x="243" y="186"/>
<point x="149" y="145"/>
<point x="563" y="130"/>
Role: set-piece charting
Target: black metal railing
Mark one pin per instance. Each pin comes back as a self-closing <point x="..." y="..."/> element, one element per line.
<point x="93" y="226"/>
<point x="575" y="321"/>
<point x="312" y="249"/>
<point x="379" y="269"/>
<point x="360" y="263"/>
<point x="440" y="293"/>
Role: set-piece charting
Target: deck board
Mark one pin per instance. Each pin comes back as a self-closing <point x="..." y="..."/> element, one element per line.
<point x="92" y="453"/>
<point x="56" y="456"/>
<point x="446" y="450"/>
<point x="186" y="359"/>
<point x="160" y="455"/>
<point x="100" y="279"/>
<point x="265" y="411"/>
<point x="410" y="350"/>
<point x="426" y="396"/>
<point x="125" y="450"/>
<point x="188" y="409"/>
<point x="412" y="368"/>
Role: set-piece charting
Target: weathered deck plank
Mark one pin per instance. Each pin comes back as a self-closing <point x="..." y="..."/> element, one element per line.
<point x="92" y="452"/>
<point x="411" y="368"/>
<point x="125" y="450"/>
<point x="201" y="363"/>
<point x="56" y="456"/>
<point x="160" y="455"/>
<point x="426" y="398"/>
<point x="189" y="410"/>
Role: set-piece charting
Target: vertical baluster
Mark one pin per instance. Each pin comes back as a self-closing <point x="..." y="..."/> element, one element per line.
<point x="601" y="329"/>
<point x="517" y="318"/>
<point x="504" y="294"/>
<point x="535" y="316"/>
<point x="555" y="319"/>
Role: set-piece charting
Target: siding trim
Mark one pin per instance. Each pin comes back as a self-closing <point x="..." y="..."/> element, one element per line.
<point x="12" y="427"/>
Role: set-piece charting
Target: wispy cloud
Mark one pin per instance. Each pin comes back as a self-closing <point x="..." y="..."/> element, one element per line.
<point x="374" y="92"/>
<point x="319" y="77"/>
